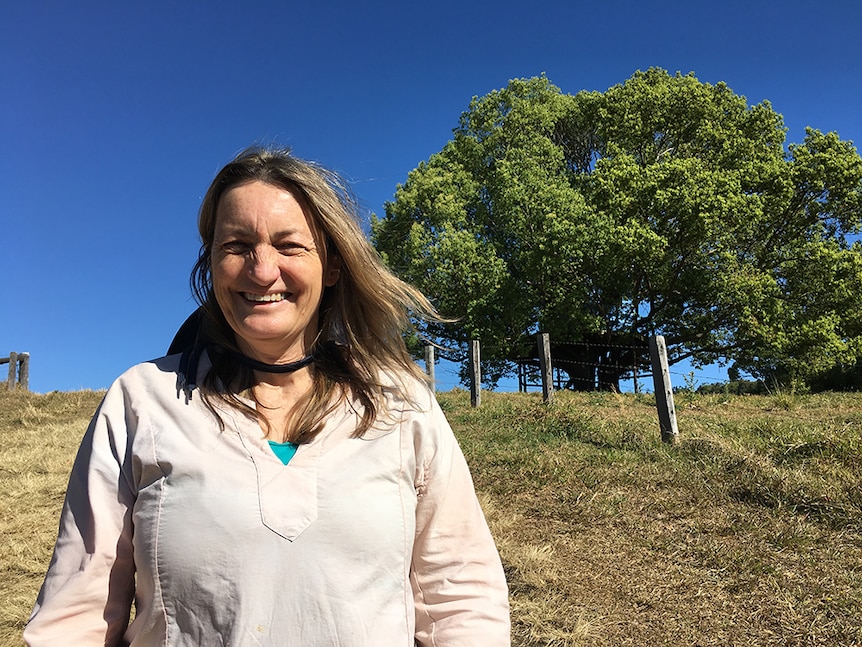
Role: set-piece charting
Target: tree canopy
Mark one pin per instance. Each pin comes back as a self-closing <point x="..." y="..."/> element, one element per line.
<point x="662" y="206"/>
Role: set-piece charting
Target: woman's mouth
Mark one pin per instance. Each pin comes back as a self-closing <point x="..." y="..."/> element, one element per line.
<point x="264" y="298"/>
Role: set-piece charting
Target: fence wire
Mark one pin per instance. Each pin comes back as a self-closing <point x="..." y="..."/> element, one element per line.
<point x="623" y="362"/>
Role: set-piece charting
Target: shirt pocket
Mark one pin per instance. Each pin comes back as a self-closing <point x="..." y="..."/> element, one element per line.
<point x="287" y="494"/>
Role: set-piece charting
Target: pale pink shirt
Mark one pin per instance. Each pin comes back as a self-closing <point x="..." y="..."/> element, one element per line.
<point x="378" y="541"/>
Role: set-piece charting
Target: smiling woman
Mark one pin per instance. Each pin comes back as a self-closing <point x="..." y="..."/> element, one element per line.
<point x="314" y="493"/>
<point x="270" y="269"/>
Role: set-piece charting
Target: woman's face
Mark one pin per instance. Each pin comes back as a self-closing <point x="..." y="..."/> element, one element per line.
<point x="269" y="270"/>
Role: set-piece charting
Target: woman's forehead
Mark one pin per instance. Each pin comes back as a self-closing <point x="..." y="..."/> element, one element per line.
<point x="257" y="206"/>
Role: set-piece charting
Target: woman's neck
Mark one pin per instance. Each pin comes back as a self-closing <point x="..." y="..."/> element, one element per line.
<point x="277" y="396"/>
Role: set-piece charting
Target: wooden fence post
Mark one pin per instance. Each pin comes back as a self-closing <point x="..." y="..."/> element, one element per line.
<point x="475" y="374"/>
<point x="13" y="371"/>
<point x="24" y="371"/>
<point x="543" y="341"/>
<point x="663" y="389"/>
<point x="18" y="375"/>
<point x="429" y="366"/>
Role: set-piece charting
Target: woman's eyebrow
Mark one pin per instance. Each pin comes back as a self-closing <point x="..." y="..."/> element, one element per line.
<point x="286" y="233"/>
<point x="239" y="229"/>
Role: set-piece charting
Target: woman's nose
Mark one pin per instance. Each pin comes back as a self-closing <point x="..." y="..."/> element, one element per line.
<point x="263" y="265"/>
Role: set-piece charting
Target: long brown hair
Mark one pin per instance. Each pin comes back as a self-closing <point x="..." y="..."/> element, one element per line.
<point x="360" y="348"/>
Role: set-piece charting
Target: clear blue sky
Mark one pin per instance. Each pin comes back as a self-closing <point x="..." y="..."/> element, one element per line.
<point x="114" y="116"/>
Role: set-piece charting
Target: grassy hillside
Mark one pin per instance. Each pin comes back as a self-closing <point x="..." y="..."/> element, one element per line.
<point x="40" y="435"/>
<point x="748" y="532"/>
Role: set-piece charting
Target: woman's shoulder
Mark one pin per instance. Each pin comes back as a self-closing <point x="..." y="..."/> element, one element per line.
<point x="404" y="390"/>
<point x="160" y="368"/>
<point x="155" y="376"/>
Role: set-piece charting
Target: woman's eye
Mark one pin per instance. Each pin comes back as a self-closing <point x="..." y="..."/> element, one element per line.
<point x="290" y="249"/>
<point x="234" y="247"/>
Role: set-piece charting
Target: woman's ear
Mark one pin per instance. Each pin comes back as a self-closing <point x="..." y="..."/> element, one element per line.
<point x="333" y="271"/>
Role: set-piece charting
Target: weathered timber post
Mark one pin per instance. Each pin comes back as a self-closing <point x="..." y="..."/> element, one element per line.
<point x="13" y="371"/>
<point x="663" y="389"/>
<point x="19" y="371"/>
<point x="24" y="371"/>
<point x="429" y="366"/>
<point x="475" y="374"/>
<point x="543" y="341"/>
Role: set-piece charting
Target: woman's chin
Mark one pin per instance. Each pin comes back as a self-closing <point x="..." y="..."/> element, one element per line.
<point x="268" y="345"/>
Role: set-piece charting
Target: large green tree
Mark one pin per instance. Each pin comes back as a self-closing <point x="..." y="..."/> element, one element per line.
<point x="661" y="206"/>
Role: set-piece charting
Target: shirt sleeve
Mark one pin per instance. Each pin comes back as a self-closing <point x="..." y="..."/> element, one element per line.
<point x="87" y="594"/>
<point x="459" y="587"/>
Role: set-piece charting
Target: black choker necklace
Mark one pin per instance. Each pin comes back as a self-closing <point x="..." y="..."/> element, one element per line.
<point x="273" y="368"/>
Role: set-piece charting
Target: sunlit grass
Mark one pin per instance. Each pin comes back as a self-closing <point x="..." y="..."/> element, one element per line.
<point x="40" y="435"/>
<point x="746" y="532"/>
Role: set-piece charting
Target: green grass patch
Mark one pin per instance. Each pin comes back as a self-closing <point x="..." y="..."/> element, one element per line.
<point x="746" y="532"/>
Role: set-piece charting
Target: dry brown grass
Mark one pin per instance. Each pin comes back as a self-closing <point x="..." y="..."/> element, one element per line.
<point x="40" y="437"/>
<point x="748" y="532"/>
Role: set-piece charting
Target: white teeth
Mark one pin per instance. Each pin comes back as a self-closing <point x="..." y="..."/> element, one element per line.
<point x="264" y="298"/>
